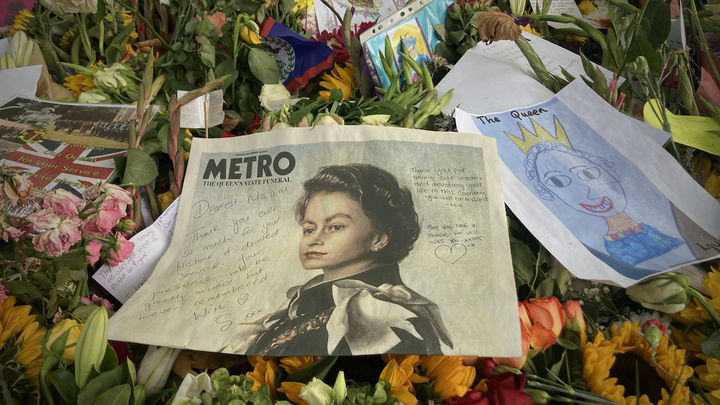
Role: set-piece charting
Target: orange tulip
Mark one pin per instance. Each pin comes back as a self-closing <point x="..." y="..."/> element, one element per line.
<point x="573" y="312"/>
<point x="547" y="312"/>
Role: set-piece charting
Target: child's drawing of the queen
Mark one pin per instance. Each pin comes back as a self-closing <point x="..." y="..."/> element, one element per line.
<point x="588" y="184"/>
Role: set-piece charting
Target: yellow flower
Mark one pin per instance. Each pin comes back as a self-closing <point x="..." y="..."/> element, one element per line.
<point x="79" y="83"/>
<point x="295" y="363"/>
<point x="16" y="320"/>
<point x="401" y="377"/>
<point x="530" y="29"/>
<point x="127" y="17"/>
<point x="68" y="37"/>
<point x="264" y="373"/>
<point x="586" y="7"/>
<point x="709" y="375"/>
<point x="711" y="180"/>
<point x="292" y="390"/>
<point x="342" y="78"/>
<point x="577" y="38"/>
<point x="303" y="5"/>
<point x="695" y="313"/>
<point x="606" y="361"/>
<point x="59" y="329"/>
<point x="450" y="376"/>
<point x="689" y="341"/>
<point x="21" y="21"/>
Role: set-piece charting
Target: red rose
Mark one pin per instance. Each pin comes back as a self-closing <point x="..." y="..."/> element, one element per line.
<point x="506" y="389"/>
<point x="474" y="397"/>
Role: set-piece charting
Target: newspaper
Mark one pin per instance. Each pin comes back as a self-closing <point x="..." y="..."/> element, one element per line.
<point x="335" y="240"/>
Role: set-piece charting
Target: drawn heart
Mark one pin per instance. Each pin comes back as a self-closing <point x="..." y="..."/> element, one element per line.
<point x="450" y="254"/>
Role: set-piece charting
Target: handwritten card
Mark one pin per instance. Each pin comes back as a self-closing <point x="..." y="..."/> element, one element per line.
<point x="696" y="132"/>
<point x="316" y="241"/>
<point x="553" y="56"/>
<point x="124" y="280"/>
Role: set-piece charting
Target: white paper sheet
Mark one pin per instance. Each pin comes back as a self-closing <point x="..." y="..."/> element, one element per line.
<point x="150" y="244"/>
<point x="558" y="7"/>
<point x="553" y="56"/>
<point x="19" y="81"/>
<point x="366" y="11"/>
<point x="643" y="182"/>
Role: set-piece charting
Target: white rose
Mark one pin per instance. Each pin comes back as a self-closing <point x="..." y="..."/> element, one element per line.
<point x="272" y="92"/>
<point x="317" y="393"/>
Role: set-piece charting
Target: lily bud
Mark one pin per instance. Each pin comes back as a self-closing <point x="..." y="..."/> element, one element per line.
<point x="155" y="368"/>
<point x="317" y="393"/>
<point x="666" y="292"/>
<point x="91" y="346"/>
<point x="340" y="388"/>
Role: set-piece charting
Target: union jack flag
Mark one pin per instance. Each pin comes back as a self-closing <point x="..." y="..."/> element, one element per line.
<point x="53" y="164"/>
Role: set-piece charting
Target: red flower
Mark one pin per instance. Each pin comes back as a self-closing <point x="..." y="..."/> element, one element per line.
<point x="335" y="41"/>
<point x="474" y="397"/>
<point x="506" y="389"/>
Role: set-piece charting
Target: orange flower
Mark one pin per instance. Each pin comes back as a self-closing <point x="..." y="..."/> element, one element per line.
<point x="292" y="390"/>
<point x="264" y="373"/>
<point x="548" y="312"/>
<point x="294" y="363"/>
<point x="400" y="373"/>
<point x="573" y="312"/>
<point x="450" y="376"/>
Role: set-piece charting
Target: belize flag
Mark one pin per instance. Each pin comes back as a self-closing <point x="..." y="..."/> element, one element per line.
<point x="298" y="58"/>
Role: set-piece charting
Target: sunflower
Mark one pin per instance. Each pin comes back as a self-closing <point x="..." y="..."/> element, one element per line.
<point x="21" y="21"/>
<point x="292" y="391"/>
<point x="400" y="373"/>
<point x="529" y="28"/>
<point x="294" y="363"/>
<point x="706" y="172"/>
<point x="450" y="376"/>
<point x="709" y="377"/>
<point x="69" y="37"/>
<point x="17" y="321"/>
<point x="127" y="18"/>
<point x="609" y="367"/>
<point x="79" y="83"/>
<point x="342" y="78"/>
<point x="265" y="369"/>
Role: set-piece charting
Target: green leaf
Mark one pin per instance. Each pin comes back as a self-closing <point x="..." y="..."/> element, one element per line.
<point x="655" y="25"/>
<point x="64" y="383"/>
<point x="101" y="11"/>
<point x="162" y="136"/>
<point x="110" y="361"/>
<point x="263" y="66"/>
<point x="440" y="29"/>
<point x="261" y="396"/>
<point x="205" y="28"/>
<point x="317" y="370"/>
<point x="522" y="261"/>
<point x="207" y="53"/>
<point x="456" y="37"/>
<point x="153" y="146"/>
<point x="102" y="383"/>
<point x="190" y="26"/>
<point x="298" y="115"/>
<point x="711" y="345"/>
<point x="19" y="287"/>
<point x="119" y="395"/>
<point x="120" y="163"/>
<point x="566" y="343"/>
<point x="226" y="68"/>
<point x="545" y="289"/>
<point x="140" y="168"/>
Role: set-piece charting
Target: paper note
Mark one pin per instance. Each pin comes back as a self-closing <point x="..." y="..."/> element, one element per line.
<point x="150" y="244"/>
<point x="553" y="56"/>
<point x="192" y="114"/>
<point x="558" y="7"/>
<point x="688" y="130"/>
<point x="19" y="81"/>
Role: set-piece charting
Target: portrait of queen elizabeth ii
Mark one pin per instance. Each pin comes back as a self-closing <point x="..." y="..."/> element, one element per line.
<point x="588" y="184"/>
<point x="357" y="224"/>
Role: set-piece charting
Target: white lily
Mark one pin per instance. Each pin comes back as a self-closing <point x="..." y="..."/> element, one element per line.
<point x="155" y="368"/>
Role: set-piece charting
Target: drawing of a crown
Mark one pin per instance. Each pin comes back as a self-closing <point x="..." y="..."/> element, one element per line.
<point x="541" y="135"/>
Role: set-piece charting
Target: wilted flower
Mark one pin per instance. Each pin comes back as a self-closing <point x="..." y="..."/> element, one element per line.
<point x="93" y="249"/>
<point x="272" y="92"/>
<point x="3" y="293"/>
<point x="95" y="298"/>
<point x="62" y="202"/>
<point x="95" y="96"/>
<point x="60" y="232"/>
<point x="666" y="292"/>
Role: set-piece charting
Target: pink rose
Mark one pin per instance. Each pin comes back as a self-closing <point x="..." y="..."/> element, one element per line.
<point x="104" y="220"/>
<point x="93" y="249"/>
<point x="63" y="202"/>
<point x="3" y="293"/>
<point x="92" y="192"/>
<point x="44" y="219"/>
<point x="11" y="232"/>
<point x="95" y="298"/>
<point x="17" y="189"/>
<point x="58" y="240"/>
<point x="121" y="251"/>
<point x="121" y="196"/>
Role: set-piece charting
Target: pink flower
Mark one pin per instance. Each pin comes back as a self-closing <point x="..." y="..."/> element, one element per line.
<point x="95" y="298"/>
<point x="93" y="249"/>
<point x="104" y="220"/>
<point x="63" y="202"/>
<point x="57" y="316"/>
<point x="3" y="293"/>
<point x="112" y="192"/>
<point x="44" y="219"/>
<point x="17" y="189"/>
<point x="92" y="192"/>
<point x="653" y="322"/>
<point x="11" y="232"/>
<point x="121" y="251"/>
<point x="58" y="239"/>
<point x="33" y="264"/>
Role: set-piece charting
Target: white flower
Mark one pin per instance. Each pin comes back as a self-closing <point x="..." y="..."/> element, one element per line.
<point x="155" y="368"/>
<point x="94" y="96"/>
<point x="317" y="393"/>
<point x="272" y="92"/>
<point x="191" y="388"/>
<point x="377" y="119"/>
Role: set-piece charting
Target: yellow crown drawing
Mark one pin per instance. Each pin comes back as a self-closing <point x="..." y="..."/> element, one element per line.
<point x="541" y="135"/>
